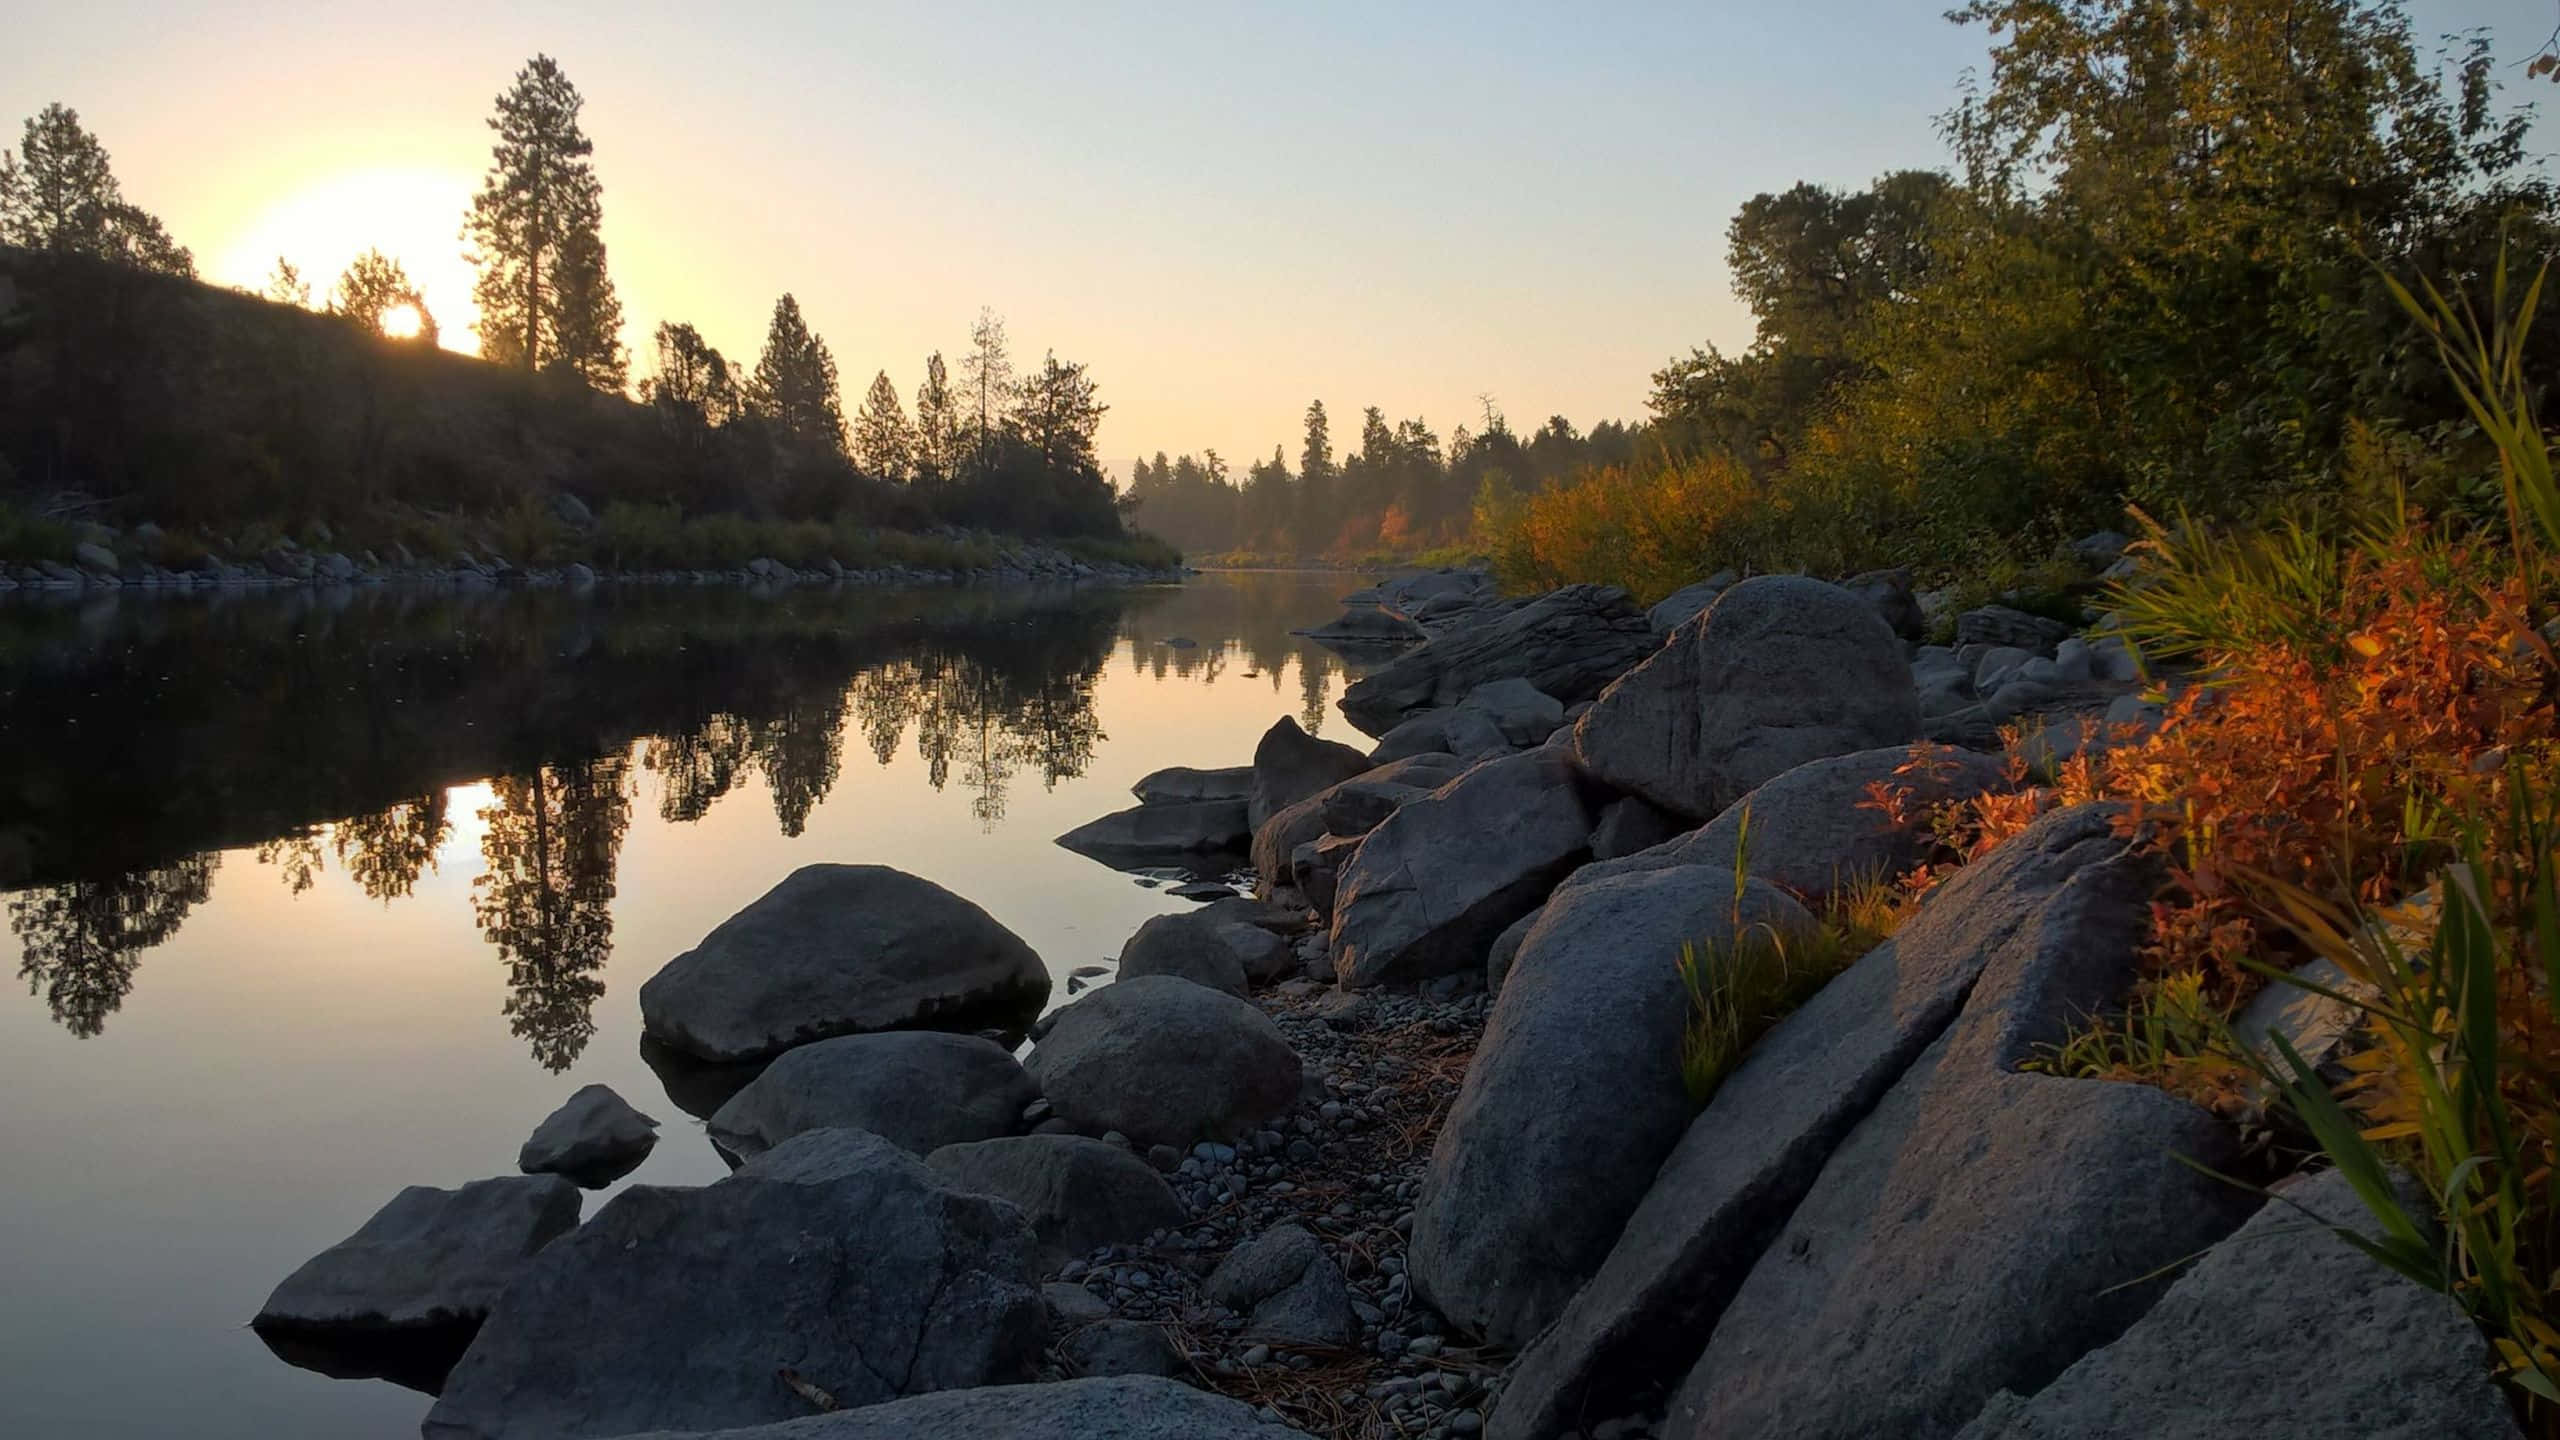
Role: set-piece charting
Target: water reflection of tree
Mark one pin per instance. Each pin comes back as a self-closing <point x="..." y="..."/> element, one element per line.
<point x="801" y="750"/>
<point x="83" y="939"/>
<point x="546" y="897"/>
<point x="698" y="766"/>
<point x="296" y="857"/>
<point x="388" y="849"/>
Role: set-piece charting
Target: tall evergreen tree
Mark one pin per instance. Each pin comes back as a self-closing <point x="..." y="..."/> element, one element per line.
<point x="795" y="381"/>
<point x="536" y="234"/>
<point x="986" y="380"/>
<point x="59" y="194"/>
<point x="937" y="425"/>
<point x="882" y="445"/>
<point x="1316" y="521"/>
<point x="1059" y="415"/>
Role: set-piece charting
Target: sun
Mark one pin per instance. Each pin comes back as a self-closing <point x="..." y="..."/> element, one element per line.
<point x="412" y="215"/>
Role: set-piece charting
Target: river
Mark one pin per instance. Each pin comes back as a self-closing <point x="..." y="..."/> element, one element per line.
<point x="316" y="895"/>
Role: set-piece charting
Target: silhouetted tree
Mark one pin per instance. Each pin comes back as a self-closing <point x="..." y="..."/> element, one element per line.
<point x="986" y="378"/>
<point x="693" y="384"/>
<point x="882" y="445"/>
<point x="375" y="286"/>
<point x="696" y="767"/>
<point x="1316" y="519"/>
<point x="296" y="856"/>
<point x="795" y="381"/>
<point x="937" y="425"/>
<point x="287" y="287"/>
<point x="801" y="750"/>
<point x="59" y="194"/>
<point x="535" y="229"/>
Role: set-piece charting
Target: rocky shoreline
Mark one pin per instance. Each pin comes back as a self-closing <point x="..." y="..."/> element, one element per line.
<point x="1403" y="1144"/>
<point x="106" y="561"/>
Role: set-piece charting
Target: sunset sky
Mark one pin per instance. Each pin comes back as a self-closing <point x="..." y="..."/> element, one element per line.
<point x="1223" y="210"/>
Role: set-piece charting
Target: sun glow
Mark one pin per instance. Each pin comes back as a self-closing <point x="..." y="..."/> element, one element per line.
<point x="403" y="322"/>
<point x="412" y="215"/>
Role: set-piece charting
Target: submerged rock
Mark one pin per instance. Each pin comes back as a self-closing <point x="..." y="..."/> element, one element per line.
<point x="1162" y="830"/>
<point x="919" y="1089"/>
<point x="401" y="1296"/>
<point x="594" y="1138"/>
<point x="836" y="1256"/>
<point x="837" y="950"/>
<point x="1183" y="785"/>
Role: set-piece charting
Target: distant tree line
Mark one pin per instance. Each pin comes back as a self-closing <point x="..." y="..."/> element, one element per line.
<point x="1398" y="488"/>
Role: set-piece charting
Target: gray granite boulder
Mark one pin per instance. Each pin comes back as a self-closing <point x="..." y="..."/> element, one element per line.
<point x="1126" y="1407"/>
<point x="1632" y="823"/>
<point x="1162" y="829"/>
<point x="1184" y="785"/>
<point x="594" y="1138"/>
<point x="1744" y="1163"/>
<point x="2281" y="1332"/>
<point x="2004" y="625"/>
<point x="1432" y="886"/>
<point x="1120" y="1347"/>
<point x="1688" y="602"/>
<point x="2050" y="1199"/>
<point x="1165" y="1062"/>
<point x="919" y="1089"/>
<point x="1287" y="1289"/>
<point x="836" y="1255"/>
<point x="1356" y="807"/>
<point x="428" y="1259"/>
<point x="1574" y="1097"/>
<point x="1524" y="714"/>
<point x="1890" y="592"/>
<point x="839" y="950"/>
<point x="1457" y="730"/>
<point x="1781" y="671"/>
<point x="1570" y="644"/>
<point x="1187" y="946"/>
<point x="1275" y="845"/>
<point x="1813" y="830"/>
<point x="1289" y="765"/>
<point x="1078" y="1193"/>
<point x="1366" y="629"/>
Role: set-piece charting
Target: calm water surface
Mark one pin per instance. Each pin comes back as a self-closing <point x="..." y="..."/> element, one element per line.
<point x="315" y="897"/>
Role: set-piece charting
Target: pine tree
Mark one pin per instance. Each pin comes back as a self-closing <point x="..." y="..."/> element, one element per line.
<point x="694" y="382"/>
<point x="986" y="379"/>
<point x="937" y="427"/>
<point x="59" y="193"/>
<point x="536" y="234"/>
<point x="795" y="381"/>
<point x="1315" y="520"/>
<point x="376" y="287"/>
<point x="882" y="446"/>
<point x="1059" y="416"/>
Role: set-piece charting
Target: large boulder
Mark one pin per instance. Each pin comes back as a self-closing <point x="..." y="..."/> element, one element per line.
<point x="919" y="1089"/>
<point x="1820" y="828"/>
<point x="1289" y="765"/>
<point x="1574" y="1097"/>
<point x="839" y="950"/>
<point x="1781" y="671"/>
<point x="837" y="1256"/>
<point x="1460" y="730"/>
<point x="1165" y="1062"/>
<point x="2055" y="1203"/>
<point x="1431" y="886"/>
<point x="1276" y="843"/>
<point x="594" y="1138"/>
<point x="1079" y="1193"/>
<point x="1184" y="785"/>
<point x="1366" y="629"/>
<point x="1120" y="1407"/>
<point x="1688" y="602"/>
<point x="1524" y="714"/>
<point x="2282" y="1332"/>
<point x="1287" y="1289"/>
<point x="401" y="1295"/>
<point x="1743" y="1165"/>
<point x="1184" y="946"/>
<point x="1890" y="592"/>
<point x="1163" y="829"/>
<point x="1569" y="644"/>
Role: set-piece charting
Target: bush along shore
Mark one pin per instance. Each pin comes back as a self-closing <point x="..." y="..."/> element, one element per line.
<point x="1652" y="1031"/>
<point x="562" y="543"/>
